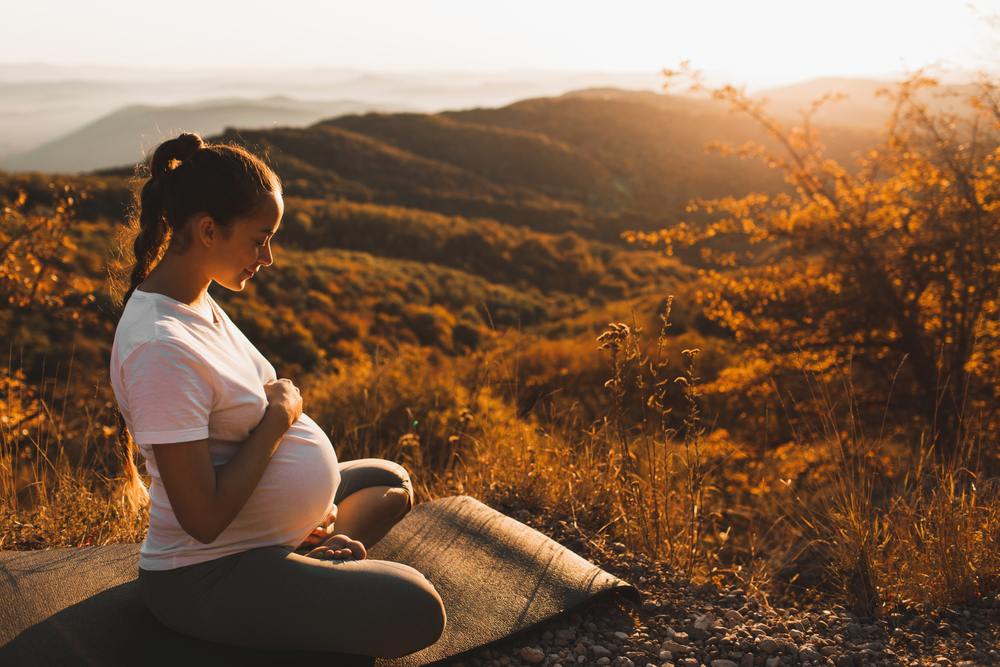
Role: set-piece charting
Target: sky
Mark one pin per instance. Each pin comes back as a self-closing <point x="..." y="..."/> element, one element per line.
<point x="771" y="40"/>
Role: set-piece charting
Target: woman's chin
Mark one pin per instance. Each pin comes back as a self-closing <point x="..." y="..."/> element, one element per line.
<point x="234" y="286"/>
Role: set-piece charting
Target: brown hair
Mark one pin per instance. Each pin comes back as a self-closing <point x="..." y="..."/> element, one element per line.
<point x="187" y="177"/>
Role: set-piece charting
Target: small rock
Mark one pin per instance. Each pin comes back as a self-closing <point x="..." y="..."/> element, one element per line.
<point x="705" y="621"/>
<point x="773" y="662"/>
<point x="796" y="634"/>
<point x="666" y="656"/>
<point x="532" y="656"/>
<point x="844" y="661"/>
<point x="673" y="647"/>
<point x="622" y="661"/>
<point x="767" y="645"/>
<point x="604" y="662"/>
<point x="746" y="660"/>
<point x="633" y="655"/>
<point x="723" y="663"/>
<point x="621" y="636"/>
<point x="650" y="607"/>
<point x="619" y="548"/>
<point x="565" y="633"/>
<point x="809" y="652"/>
<point x="599" y="651"/>
<point x="691" y="662"/>
<point x="733" y="618"/>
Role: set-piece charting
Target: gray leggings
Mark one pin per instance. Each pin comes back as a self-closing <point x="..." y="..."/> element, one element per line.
<point x="272" y="598"/>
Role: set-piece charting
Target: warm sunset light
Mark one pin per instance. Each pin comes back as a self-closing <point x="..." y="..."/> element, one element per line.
<point x="768" y="42"/>
<point x="524" y="333"/>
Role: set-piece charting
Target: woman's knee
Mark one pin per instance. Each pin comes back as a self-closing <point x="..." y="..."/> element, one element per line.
<point x="426" y="621"/>
<point x="397" y="502"/>
<point x="362" y="473"/>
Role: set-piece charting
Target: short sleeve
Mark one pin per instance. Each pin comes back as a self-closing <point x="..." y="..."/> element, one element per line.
<point x="169" y="394"/>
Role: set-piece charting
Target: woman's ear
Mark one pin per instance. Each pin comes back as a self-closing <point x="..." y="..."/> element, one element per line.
<point x="206" y="232"/>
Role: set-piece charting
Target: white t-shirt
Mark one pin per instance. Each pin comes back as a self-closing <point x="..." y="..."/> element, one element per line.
<point x="181" y="375"/>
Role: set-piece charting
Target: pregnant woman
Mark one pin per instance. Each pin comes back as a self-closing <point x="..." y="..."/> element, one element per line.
<point x="257" y="535"/>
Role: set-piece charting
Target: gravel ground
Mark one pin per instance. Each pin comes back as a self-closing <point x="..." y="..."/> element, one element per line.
<point x="683" y="625"/>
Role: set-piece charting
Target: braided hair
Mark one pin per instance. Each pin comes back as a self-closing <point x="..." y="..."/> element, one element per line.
<point x="187" y="177"/>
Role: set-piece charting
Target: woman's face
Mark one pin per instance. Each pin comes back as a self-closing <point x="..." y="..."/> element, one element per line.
<point x="248" y="246"/>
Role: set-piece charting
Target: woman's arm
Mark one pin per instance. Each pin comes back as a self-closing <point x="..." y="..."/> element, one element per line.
<point x="205" y="500"/>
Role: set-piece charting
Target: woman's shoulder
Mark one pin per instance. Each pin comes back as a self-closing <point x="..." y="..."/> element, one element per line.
<point x="152" y="318"/>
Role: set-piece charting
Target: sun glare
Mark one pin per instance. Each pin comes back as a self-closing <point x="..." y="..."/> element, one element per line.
<point x="775" y="40"/>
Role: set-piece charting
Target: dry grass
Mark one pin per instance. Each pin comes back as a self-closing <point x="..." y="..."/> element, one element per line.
<point x="58" y="469"/>
<point x="831" y="511"/>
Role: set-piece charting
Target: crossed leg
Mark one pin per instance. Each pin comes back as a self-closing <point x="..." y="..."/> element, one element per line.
<point x="374" y="494"/>
<point x="367" y="515"/>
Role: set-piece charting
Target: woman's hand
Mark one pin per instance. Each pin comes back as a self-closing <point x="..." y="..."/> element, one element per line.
<point x="321" y="532"/>
<point x="339" y="547"/>
<point x="206" y="499"/>
<point x="283" y="397"/>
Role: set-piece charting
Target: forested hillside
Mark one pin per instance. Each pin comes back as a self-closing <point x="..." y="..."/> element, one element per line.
<point x="435" y="231"/>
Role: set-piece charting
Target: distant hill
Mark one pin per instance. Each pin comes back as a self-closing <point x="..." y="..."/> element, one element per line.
<point x="593" y="162"/>
<point x="48" y="123"/>
<point x="123" y="137"/>
<point x="432" y="229"/>
<point x="41" y="103"/>
<point x="615" y="151"/>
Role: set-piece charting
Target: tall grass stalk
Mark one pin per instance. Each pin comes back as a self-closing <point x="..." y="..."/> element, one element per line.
<point x="55" y="493"/>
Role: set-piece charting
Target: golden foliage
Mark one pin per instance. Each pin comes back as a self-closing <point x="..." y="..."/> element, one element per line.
<point x="36" y="253"/>
<point x="893" y="265"/>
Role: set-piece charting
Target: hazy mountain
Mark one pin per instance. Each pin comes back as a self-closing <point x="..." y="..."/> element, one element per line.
<point x="30" y="111"/>
<point x="40" y="103"/>
<point x="123" y="137"/>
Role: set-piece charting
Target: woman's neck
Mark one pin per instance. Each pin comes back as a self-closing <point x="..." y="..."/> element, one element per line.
<point x="179" y="278"/>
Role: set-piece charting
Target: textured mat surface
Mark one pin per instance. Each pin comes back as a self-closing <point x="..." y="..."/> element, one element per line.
<point x="496" y="577"/>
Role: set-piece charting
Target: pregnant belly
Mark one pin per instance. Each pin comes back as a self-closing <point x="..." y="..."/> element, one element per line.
<point x="293" y="496"/>
<point x="297" y="488"/>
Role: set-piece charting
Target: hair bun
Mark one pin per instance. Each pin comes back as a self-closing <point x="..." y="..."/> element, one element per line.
<point x="174" y="152"/>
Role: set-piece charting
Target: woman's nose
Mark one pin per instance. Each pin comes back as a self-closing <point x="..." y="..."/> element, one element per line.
<point x="266" y="258"/>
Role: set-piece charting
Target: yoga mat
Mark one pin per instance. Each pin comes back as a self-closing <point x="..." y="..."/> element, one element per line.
<point x="497" y="577"/>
